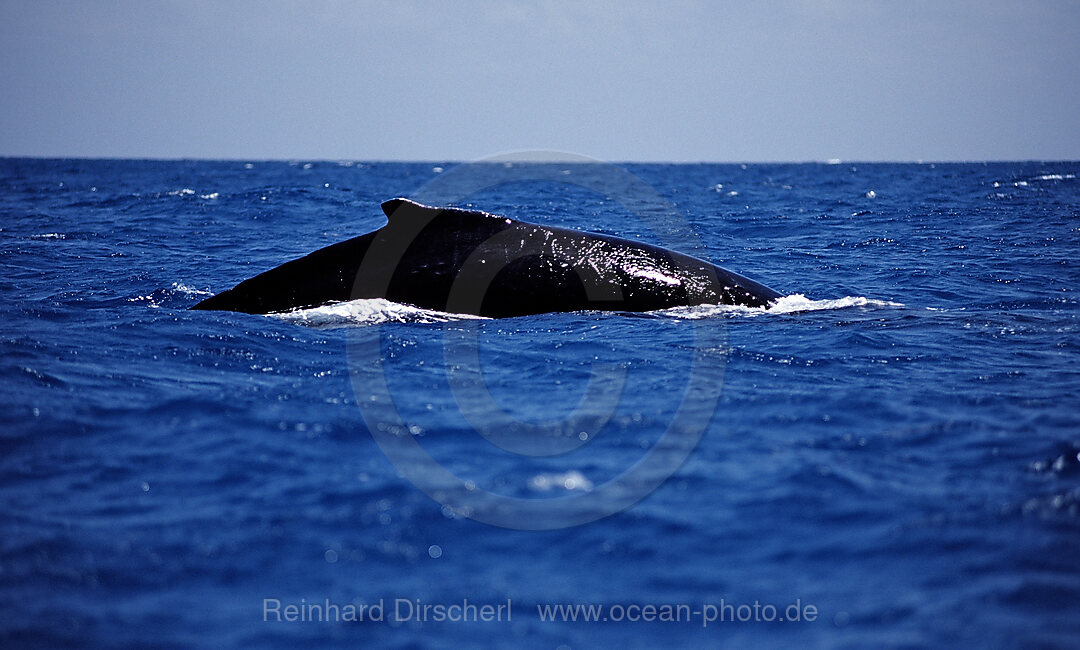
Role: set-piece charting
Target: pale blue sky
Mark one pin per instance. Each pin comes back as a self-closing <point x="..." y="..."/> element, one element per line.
<point x="403" y="80"/>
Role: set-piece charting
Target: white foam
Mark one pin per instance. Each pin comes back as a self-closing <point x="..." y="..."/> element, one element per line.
<point x="795" y="303"/>
<point x="798" y="302"/>
<point x="187" y="191"/>
<point x="155" y="298"/>
<point x="189" y="291"/>
<point x="572" y="480"/>
<point x="375" y="311"/>
<point x="371" y="311"/>
<point x="50" y="235"/>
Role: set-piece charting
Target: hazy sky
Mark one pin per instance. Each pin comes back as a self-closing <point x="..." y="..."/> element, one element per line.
<point x="684" y="81"/>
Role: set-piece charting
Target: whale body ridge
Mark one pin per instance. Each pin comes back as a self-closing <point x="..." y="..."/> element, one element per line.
<point x="473" y="262"/>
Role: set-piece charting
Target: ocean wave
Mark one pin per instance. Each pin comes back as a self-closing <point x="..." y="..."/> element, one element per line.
<point x="1034" y="179"/>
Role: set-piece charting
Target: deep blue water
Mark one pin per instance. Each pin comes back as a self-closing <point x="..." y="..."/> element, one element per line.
<point x="897" y="447"/>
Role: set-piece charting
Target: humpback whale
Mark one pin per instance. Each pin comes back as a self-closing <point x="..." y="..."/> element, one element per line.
<point x="472" y="262"/>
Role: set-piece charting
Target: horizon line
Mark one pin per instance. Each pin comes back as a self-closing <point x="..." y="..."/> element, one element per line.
<point x="553" y="160"/>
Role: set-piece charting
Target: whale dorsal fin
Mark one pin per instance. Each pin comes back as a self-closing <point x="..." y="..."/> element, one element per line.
<point x="397" y="208"/>
<point x="402" y="210"/>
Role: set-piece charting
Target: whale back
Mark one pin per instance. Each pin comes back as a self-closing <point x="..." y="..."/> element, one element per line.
<point x="468" y="261"/>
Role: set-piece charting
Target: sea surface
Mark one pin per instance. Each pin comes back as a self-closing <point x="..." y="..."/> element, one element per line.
<point x="892" y="449"/>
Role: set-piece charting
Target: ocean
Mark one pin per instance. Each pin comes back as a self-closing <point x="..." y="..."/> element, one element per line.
<point x="888" y="457"/>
